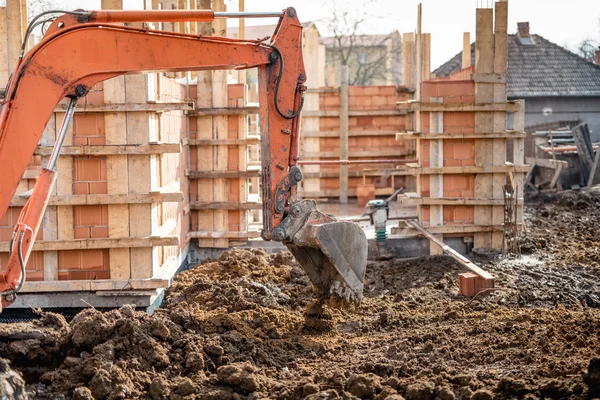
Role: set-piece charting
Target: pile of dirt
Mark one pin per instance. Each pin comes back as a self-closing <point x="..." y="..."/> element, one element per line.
<point x="234" y="328"/>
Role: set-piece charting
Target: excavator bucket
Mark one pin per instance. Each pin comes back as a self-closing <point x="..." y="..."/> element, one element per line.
<point x="333" y="253"/>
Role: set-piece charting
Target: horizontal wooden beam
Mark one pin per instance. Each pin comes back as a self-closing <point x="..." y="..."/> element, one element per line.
<point x="103" y="243"/>
<point x="488" y="78"/>
<point x="356" y="153"/>
<point x="546" y="162"/>
<point x="357" y="174"/>
<point x="150" y="107"/>
<point x="436" y="136"/>
<point x="228" y="205"/>
<point x="400" y="232"/>
<point x="199" y="112"/>
<point x="323" y="90"/>
<point x="336" y="193"/>
<point x="95" y="199"/>
<point x="153" y="148"/>
<point x="352" y="113"/>
<point x="93" y="285"/>
<point x="223" y="235"/>
<point x="450" y="201"/>
<point x="313" y="134"/>
<point x="219" y="142"/>
<point x="454" y="107"/>
<point x="472" y="170"/>
<point x="222" y="174"/>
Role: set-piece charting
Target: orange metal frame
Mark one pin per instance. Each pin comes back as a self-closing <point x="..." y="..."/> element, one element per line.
<point x="76" y="53"/>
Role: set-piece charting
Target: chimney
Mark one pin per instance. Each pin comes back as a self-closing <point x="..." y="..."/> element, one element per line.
<point x="597" y="58"/>
<point x="523" y="29"/>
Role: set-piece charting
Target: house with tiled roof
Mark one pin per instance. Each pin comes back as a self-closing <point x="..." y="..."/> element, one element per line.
<point x="559" y="87"/>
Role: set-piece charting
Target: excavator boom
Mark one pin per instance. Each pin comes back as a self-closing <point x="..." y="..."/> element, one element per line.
<point x="83" y="48"/>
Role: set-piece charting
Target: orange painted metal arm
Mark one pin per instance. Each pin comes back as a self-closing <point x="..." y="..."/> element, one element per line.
<point x="73" y="57"/>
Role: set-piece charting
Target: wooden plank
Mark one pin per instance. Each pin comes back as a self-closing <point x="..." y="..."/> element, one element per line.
<point x="473" y="170"/>
<point x="224" y="235"/>
<point x="511" y="106"/>
<point x="220" y="131"/>
<point x="222" y="174"/>
<point x="352" y="113"/>
<point x="452" y="253"/>
<point x="114" y="149"/>
<point x="593" y="171"/>
<point x="220" y="142"/>
<point x="129" y="107"/>
<point x="323" y="90"/>
<point x="466" y="53"/>
<point x="343" y="152"/>
<point x="546" y="162"/>
<point x="452" y="201"/>
<point x="103" y="243"/>
<point x="446" y="229"/>
<point x="4" y="69"/>
<point x="488" y="78"/>
<point x="96" y="199"/>
<point x="92" y="285"/>
<point x="356" y="154"/>
<point x="556" y="176"/>
<point x="223" y="111"/>
<point x="14" y="31"/>
<point x="324" y="134"/>
<point x="227" y="205"/>
<point x="408" y="75"/>
<point x="484" y="122"/>
<point x="426" y="136"/>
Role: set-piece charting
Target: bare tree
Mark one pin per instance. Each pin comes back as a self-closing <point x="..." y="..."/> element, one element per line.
<point x="587" y="49"/>
<point x="370" y="58"/>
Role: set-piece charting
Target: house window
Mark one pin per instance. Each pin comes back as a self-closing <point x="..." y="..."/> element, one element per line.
<point x="363" y="58"/>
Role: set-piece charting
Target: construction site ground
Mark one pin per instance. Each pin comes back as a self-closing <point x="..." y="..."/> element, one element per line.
<point x="235" y="329"/>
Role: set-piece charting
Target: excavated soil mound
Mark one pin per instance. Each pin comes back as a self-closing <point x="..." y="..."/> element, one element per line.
<point x="235" y="329"/>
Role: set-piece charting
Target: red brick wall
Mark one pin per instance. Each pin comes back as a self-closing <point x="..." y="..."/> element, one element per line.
<point x="457" y="89"/>
<point x="362" y="98"/>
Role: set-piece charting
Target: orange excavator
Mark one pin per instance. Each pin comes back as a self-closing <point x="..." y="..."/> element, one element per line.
<point x="81" y="48"/>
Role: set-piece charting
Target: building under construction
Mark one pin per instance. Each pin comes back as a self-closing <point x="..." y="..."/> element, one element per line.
<point x="178" y="266"/>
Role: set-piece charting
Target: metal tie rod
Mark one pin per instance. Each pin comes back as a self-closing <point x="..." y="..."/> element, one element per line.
<point x="248" y="14"/>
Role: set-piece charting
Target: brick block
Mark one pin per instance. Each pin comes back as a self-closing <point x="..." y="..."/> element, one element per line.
<point x="371" y="90"/>
<point x="387" y="90"/>
<point x="365" y="193"/>
<point x="469" y="284"/>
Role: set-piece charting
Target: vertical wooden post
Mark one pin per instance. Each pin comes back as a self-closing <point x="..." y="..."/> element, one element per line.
<point x="221" y="152"/>
<point x="205" y="131"/>
<point x="117" y="172"/>
<point x="14" y="26"/>
<point x="4" y="71"/>
<point x="499" y="121"/>
<point x="426" y="57"/>
<point x="408" y="60"/>
<point x="484" y="94"/>
<point x="466" y="53"/>
<point x="344" y="134"/>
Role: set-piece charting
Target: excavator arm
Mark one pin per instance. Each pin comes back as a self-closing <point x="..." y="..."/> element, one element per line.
<point x="83" y="48"/>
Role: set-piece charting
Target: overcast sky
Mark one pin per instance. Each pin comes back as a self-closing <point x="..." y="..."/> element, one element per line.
<point x="565" y="22"/>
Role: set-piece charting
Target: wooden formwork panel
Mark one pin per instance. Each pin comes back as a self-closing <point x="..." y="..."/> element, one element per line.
<point x="371" y="136"/>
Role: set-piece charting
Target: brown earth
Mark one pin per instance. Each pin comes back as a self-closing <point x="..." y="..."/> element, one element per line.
<point x="235" y="329"/>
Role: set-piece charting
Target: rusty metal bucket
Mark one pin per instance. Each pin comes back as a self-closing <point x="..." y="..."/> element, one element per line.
<point x="333" y="253"/>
